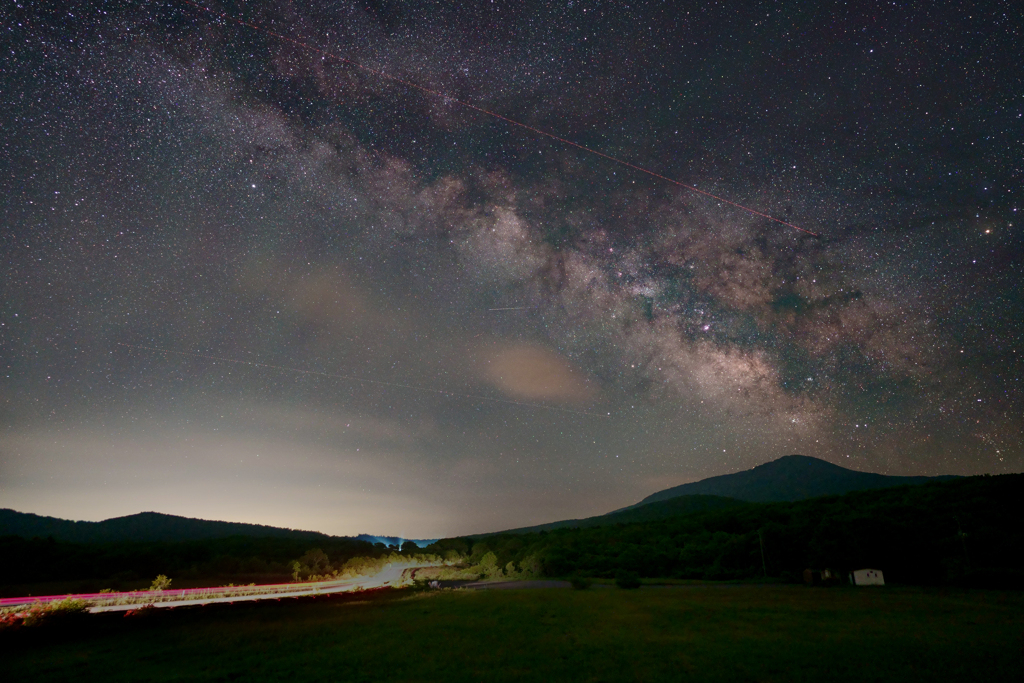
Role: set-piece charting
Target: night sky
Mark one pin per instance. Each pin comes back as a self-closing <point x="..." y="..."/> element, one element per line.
<point x="474" y="327"/>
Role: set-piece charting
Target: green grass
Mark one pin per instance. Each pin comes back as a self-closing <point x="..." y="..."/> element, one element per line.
<point x="700" y="633"/>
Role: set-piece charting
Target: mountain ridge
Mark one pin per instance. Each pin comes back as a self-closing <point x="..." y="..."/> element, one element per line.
<point x="787" y="479"/>
<point x="155" y="526"/>
<point x="680" y="505"/>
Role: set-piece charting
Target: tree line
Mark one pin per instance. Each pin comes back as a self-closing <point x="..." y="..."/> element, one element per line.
<point x="964" y="531"/>
<point x="121" y="565"/>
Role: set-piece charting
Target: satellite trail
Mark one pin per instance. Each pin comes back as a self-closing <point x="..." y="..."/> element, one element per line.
<point x="351" y="378"/>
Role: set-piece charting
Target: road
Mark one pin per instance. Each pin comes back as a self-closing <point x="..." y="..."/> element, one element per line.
<point x="392" y="575"/>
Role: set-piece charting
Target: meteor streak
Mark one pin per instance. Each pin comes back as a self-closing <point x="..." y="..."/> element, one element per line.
<point x="351" y="378"/>
<point x="468" y="105"/>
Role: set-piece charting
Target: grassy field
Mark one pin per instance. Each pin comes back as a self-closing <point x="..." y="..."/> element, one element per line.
<point x="699" y="633"/>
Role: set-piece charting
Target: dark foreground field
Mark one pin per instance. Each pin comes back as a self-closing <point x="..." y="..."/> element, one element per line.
<point x="701" y="633"/>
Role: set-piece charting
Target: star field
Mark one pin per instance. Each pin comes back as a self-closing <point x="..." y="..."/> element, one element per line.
<point x="245" y="280"/>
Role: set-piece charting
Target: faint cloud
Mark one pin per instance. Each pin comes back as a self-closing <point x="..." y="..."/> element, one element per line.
<point x="323" y="295"/>
<point x="535" y="373"/>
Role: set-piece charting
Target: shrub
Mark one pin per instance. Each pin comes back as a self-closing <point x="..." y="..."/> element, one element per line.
<point x="9" y="620"/>
<point x="68" y="605"/>
<point x="627" y="579"/>
<point x="38" y="613"/>
<point x="160" y="583"/>
<point x="530" y="566"/>
<point x="580" y="583"/>
<point x="144" y="611"/>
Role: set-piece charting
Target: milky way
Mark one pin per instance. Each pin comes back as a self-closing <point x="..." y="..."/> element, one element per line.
<point x="546" y="334"/>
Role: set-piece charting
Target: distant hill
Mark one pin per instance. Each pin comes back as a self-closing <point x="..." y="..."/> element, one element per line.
<point x="156" y="526"/>
<point x="680" y="505"/>
<point x="145" y="526"/>
<point x="394" y="540"/>
<point x="790" y="478"/>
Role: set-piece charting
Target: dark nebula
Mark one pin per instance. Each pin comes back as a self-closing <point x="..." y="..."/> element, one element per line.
<point x="544" y="334"/>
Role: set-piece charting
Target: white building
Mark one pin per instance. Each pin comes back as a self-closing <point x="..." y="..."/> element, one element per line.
<point x="867" y="577"/>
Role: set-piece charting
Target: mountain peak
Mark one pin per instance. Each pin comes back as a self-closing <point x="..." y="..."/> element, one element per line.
<point x="791" y="477"/>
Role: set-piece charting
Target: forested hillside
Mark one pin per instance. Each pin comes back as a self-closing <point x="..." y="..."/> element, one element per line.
<point x="963" y="530"/>
<point x="674" y="507"/>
